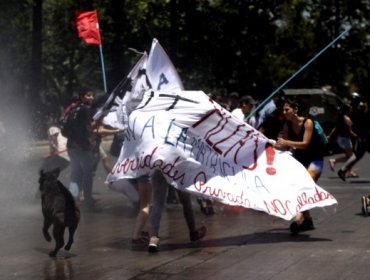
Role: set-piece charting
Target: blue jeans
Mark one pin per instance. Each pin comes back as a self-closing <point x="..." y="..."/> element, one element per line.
<point x="160" y="186"/>
<point x="81" y="172"/>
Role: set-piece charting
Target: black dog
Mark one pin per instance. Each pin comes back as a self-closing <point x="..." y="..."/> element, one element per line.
<point x="59" y="209"/>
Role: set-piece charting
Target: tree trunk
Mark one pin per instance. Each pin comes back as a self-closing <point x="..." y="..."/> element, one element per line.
<point x="35" y="68"/>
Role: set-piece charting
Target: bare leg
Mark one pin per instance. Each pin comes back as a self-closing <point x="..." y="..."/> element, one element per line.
<point x="145" y="193"/>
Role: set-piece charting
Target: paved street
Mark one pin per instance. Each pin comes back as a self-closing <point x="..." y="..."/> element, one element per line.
<point x="239" y="245"/>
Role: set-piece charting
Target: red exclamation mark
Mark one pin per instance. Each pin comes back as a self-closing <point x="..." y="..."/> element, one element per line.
<point x="270" y="156"/>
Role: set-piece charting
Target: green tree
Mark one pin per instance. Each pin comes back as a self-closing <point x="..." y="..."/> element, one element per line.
<point x="218" y="46"/>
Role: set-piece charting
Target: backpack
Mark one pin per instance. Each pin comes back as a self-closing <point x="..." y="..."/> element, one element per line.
<point x="69" y="116"/>
<point x="320" y="132"/>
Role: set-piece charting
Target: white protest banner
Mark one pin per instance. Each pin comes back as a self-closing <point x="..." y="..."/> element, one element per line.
<point x="161" y="72"/>
<point x="203" y="149"/>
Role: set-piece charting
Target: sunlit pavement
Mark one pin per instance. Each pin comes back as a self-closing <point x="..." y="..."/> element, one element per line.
<point x="239" y="245"/>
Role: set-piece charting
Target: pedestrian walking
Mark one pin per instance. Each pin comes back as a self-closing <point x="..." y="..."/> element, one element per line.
<point x="360" y="117"/>
<point x="342" y="133"/>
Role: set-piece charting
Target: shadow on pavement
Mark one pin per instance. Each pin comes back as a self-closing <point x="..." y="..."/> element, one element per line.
<point x="248" y="239"/>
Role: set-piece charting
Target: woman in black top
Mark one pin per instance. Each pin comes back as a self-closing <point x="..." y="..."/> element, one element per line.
<point x="300" y="136"/>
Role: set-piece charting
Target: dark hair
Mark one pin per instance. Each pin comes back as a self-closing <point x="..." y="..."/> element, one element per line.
<point x="83" y="91"/>
<point x="280" y="102"/>
<point x="246" y="99"/>
<point x="292" y="103"/>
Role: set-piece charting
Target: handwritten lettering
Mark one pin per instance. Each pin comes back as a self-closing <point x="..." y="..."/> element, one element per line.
<point x="147" y="161"/>
<point x="149" y="124"/>
<point x="229" y="138"/>
<point x="175" y="134"/>
<point x="304" y="199"/>
<point x="276" y="206"/>
<point x="218" y="193"/>
<point x="162" y="81"/>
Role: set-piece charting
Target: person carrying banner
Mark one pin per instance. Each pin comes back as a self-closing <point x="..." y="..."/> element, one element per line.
<point x="246" y="104"/>
<point x="361" y="127"/>
<point x="101" y="130"/>
<point x="79" y="147"/>
<point x="300" y="136"/>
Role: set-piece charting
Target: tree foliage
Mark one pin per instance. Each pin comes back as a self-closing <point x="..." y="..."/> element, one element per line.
<point x="218" y="46"/>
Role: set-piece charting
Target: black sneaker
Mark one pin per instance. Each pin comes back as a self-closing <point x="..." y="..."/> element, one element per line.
<point x="342" y="175"/>
<point x="307" y="224"/>
<point x="198" y="234"/>
<point x="294" y="228"/>
<point x="364" y="206"/>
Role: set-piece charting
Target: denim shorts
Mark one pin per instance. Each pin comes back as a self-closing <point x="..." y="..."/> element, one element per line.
<point x="315" y="169"/>
<point x="344" y="142"/>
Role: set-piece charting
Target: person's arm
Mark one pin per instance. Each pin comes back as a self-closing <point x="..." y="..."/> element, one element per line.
<point x="102" y="131"/>
<point x="348" y="123"/>
<point x="332" y="133"/>
<point x="99" y="129"/>
<point x="280" y="139"/>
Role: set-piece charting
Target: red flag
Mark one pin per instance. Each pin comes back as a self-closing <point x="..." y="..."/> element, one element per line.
<point x="88" y="27"/>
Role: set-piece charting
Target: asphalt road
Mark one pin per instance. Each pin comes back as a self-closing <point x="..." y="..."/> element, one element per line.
<point x="239" y="244"/>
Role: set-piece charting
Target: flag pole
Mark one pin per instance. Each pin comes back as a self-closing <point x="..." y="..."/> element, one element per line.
<point x="103" y="68"/>
<point x="296" y="73"/>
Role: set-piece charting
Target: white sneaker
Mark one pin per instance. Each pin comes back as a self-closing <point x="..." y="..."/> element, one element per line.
<point x="153" y="244"/>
